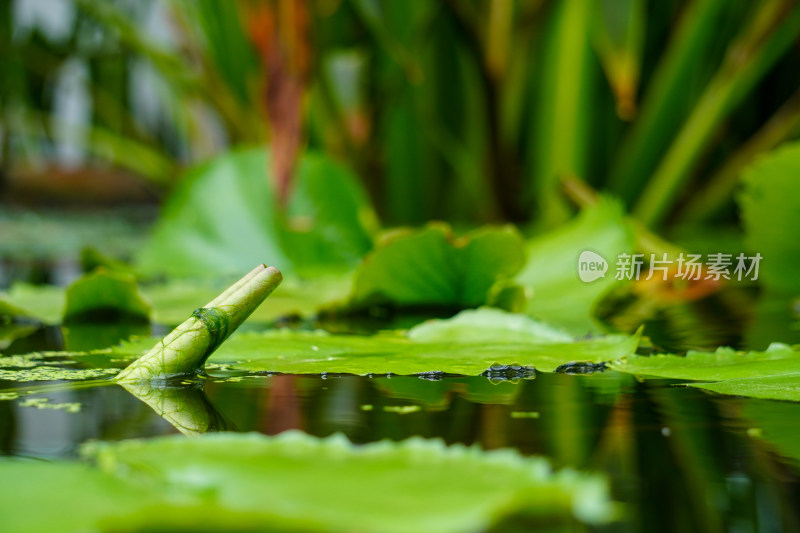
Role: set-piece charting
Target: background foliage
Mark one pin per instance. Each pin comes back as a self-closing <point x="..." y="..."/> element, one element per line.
<point x="462" y="110"/>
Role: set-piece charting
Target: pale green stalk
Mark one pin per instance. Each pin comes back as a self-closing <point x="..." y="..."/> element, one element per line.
<point x="186" y="349"/>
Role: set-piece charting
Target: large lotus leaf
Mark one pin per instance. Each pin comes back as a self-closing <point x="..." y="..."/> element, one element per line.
<point x="105" y="295"/>
<point x="222" y="219"/>
<point x="316" y="352"/>
<point x="430" y="267"/>
<point x="330" y="485"/>
<point x="771" y="374"/>
<point x="770" y="204"/>
<point x="558" y="295"/>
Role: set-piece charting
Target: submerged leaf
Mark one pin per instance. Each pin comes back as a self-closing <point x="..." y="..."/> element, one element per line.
<point x="430" y="267"/>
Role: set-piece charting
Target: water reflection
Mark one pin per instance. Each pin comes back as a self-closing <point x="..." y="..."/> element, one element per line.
<point x="680" y="458"/>
<point x="185" y="406"/>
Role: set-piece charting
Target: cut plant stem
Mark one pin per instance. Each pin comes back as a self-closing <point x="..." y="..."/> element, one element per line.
<point x="186" y="349"/>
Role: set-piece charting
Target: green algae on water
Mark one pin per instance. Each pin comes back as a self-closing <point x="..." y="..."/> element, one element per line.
<point x="44" y="403"/>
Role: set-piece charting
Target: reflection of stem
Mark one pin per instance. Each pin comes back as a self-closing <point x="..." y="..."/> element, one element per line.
<point x="185" y="406"/>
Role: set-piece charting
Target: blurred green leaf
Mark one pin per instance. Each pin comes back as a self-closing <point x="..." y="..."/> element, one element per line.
<point x="618" y="35"/>
<point x="561" y="119"/>
<point x="430" y="267"/>
<point x="174" y="300"/>
<point x="772" y="28"/>
<point x="222" y="218"/>
<point x="93" y="498"/>
<point x="551" y="273"/>
<point x="668" y="97"/>
<point x="487" y="325"/>
<point x="770" y="206"/>
<point x="104" y="296"/>
<point x="293" y="482"/>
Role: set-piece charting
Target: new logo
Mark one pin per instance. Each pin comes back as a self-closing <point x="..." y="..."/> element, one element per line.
<point x="591" y="266"/>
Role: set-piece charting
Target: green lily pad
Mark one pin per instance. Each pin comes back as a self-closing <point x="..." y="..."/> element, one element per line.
<point x="331" y="485"/>
<point x="783" y="387"/>
<point x="222" y="219"/>
<point x="303" y="352"/>
<point x="770" y="205"/>
<point x="317" y="352"/>
<point x="430" y="267"/>
<point x="104" y="296"/>
<point x="292" y="482"/>
<point x="724" y="364"/>
<point x="559" y="296"/>
<point x="771" y="374"/>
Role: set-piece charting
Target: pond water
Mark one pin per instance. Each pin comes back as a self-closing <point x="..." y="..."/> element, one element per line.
<point x="679" y="458"/>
